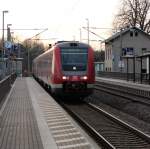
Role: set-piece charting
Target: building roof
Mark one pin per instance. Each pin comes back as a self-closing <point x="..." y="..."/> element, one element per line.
<point x="117" y="35"/>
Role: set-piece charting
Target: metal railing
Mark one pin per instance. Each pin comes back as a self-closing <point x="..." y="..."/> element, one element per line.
<point x="7" y="67"/>
<point x="5" y="86"/>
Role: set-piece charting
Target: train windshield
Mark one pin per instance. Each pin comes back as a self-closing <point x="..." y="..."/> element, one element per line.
<point x="74" y="59"/>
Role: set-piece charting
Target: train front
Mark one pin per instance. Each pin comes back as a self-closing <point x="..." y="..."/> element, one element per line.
<point x="77" y="68"/>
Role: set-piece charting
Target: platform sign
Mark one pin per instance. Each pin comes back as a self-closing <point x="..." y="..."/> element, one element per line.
<point x="127" y="51"/>
<point x="8" y="44"/>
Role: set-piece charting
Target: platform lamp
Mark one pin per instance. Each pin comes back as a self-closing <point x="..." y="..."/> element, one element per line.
<point x="3" y="49"/>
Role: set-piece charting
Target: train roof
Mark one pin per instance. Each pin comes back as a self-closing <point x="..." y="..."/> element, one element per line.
<point x="68" y="44"/>
<point x="65" y="44"/>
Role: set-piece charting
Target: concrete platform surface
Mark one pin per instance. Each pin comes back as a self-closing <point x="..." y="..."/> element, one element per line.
<point x="31" y="119"/>
<point x="18" y="125"/>
<point x="125" y="83"/>
<point x="56" y="127"/>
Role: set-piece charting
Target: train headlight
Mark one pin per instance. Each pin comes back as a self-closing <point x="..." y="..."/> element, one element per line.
<point x="65" y="77"/>
<point x="84" y="78"/>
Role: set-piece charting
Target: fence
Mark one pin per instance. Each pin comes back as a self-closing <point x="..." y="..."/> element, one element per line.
<point x="5" y="86"/>
<point x="7" y="67"/>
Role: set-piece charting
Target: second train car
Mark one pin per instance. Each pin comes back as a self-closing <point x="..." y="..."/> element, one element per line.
<point x="67" y="68"/>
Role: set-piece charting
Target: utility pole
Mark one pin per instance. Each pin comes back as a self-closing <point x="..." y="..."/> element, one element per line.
<point x="28" y="63"/>
<point x="88" y="30"/>
<point x="93" y="33"/>
<point x="80" y="35"/>
<point x="29" y="39"/>
<point x="3" y="49"/>
<point x="121" y="60"/>
<point x="8" y="32"/>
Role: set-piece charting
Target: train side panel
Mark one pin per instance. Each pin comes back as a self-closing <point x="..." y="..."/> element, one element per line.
<point x="56" y="79"/>
<point x="91" y="71"/>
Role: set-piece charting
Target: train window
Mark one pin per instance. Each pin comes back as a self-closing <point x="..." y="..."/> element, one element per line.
<point x="73" y="44"/>
<point x="74" y="58"/>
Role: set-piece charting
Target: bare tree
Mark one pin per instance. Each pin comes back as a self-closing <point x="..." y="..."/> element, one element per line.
<point x="133" y="13"/>
<point x="99" y="56"/>
<point x="33" y="48"/>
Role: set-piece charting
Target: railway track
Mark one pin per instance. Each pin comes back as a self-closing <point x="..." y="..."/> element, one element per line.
<point x="109" y="131"/>
<point x="121" y="92"/>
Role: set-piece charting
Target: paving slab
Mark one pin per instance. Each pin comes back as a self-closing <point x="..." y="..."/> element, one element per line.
<point x="18" y="125"/>
<point x="31" y="119"/>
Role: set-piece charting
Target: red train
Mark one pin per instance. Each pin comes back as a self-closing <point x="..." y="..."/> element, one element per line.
<point x="66" y="68"/>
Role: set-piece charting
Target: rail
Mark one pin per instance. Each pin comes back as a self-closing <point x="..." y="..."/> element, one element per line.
<point x="109" y="131"/>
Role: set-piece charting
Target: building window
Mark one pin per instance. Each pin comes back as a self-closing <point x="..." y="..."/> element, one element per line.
<point x="136" y="33"/>
<point x="110" y="54"/>
<point x="131" y="34"/>
<point x="106" y="54"/>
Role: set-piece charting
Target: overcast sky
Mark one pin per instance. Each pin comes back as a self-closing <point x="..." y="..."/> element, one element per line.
<point x="63" y="18"/>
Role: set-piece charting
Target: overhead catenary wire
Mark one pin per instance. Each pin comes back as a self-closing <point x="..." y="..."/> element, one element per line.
<point x="94" y="33"/>
<point x="25" y="29"/>
<point x="73" y="7"/>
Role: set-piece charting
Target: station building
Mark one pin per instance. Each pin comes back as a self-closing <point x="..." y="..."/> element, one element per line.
<point x="124" y="48"/>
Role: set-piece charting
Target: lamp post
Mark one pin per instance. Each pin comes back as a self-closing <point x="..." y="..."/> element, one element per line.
<point x="88" y="29"/>
<point x="121" y="61"/>
<point x="8" y="32"/>
<point x="29" y="59"/>
<point x="3" y="49"/>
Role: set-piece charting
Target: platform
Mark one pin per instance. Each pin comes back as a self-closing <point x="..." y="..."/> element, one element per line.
<point x="139" y="89"/>
<point x="31" y="119"/>
<point x="125" y="83"/>
<point x="18" y="126"/>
